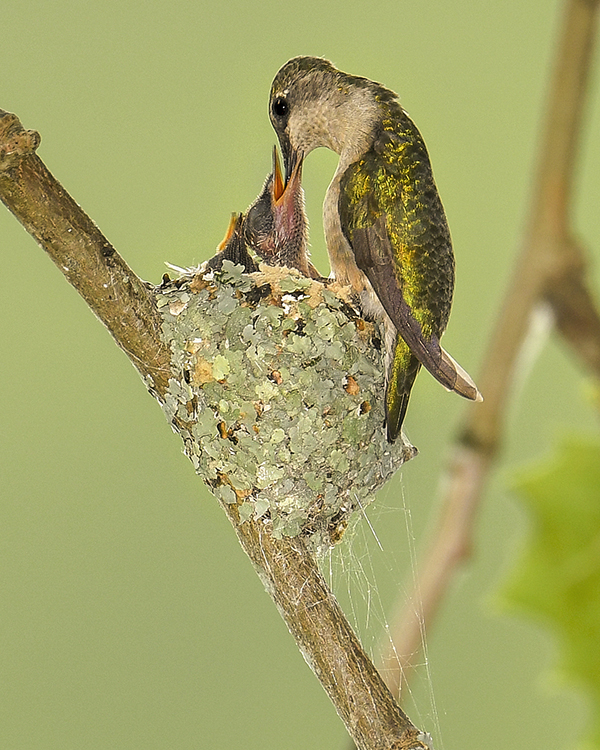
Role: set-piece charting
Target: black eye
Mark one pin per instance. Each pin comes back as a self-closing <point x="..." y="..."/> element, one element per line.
<point x="281" y="107"/>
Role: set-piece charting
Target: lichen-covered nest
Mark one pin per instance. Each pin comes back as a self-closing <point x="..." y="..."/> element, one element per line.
<point x="280" y="397"/>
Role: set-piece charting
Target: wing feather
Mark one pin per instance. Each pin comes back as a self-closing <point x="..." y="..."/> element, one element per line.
<point x="375" y="258"/>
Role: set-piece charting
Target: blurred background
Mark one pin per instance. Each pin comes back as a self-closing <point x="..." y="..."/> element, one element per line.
<point x="130" y="616"/>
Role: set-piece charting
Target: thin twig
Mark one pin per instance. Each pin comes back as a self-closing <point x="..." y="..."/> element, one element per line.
<point x="576" y="316"/>
<point x="551" y="268"/>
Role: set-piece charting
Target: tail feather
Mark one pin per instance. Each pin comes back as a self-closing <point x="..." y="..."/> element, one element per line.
<point x="400" y="383"/>
<point x="403" y="370"/>
<point x="462" y="382"/>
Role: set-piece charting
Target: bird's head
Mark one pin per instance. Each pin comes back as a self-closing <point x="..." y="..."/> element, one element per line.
<point x="275" y="225"/>
<point x="314" y="104"/>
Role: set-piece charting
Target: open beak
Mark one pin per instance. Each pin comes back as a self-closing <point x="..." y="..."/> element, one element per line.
<point x="234" y="223"/>
<point x="278" y="184"/>
<point x="284" y="192"/>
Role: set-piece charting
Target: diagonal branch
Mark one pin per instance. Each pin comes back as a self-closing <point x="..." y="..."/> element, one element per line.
<point x="326" y="640"/>
<point x="550" y="268"/>
<point x="122" y="301"/>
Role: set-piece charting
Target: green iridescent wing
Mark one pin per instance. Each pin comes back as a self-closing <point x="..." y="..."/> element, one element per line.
<point x="393" y="219"/>
<point x="374" y="256"/>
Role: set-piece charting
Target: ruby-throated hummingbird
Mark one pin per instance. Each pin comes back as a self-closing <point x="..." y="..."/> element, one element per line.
<point x="274" y="228"/>
<point x="385" y="225"/>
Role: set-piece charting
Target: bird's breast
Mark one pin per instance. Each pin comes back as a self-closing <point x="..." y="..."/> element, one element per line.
<point x="341" y="255"/>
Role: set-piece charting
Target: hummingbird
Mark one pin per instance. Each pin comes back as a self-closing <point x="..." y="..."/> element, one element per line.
<point x="385" y="227"/>
<point x="274" y="227"/>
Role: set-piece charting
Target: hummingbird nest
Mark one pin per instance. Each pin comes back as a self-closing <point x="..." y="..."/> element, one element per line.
<point x="279" y="397"/>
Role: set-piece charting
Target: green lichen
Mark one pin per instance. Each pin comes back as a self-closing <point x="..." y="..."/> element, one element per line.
<point x="278" y="394"/>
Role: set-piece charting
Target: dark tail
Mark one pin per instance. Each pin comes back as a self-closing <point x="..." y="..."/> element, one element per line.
<point x="397" y="396"/>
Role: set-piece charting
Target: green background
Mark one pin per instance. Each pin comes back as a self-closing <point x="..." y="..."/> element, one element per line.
<point x="129" y="617"/>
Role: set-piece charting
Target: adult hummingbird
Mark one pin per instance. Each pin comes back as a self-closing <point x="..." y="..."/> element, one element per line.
<point x="385" y="226"/>
<point x="274" y="227"/>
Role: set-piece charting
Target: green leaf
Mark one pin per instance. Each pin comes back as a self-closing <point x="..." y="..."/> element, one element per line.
<point x="558" y="579"/>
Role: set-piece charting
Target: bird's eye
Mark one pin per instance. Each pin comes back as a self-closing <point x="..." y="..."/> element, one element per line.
<point x="281" y="107"/>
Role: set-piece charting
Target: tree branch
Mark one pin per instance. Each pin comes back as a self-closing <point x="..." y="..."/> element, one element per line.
<point x="326" y="640"/>
<point x="576" y="315"/>
<point x="122" y="301"/>
<point x="551" y="267"/>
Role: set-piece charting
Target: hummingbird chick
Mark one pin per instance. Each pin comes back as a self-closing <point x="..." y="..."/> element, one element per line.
<point x="274" y="227"/>
<point x="233" y="248"/>
<point x="385" y="226"/>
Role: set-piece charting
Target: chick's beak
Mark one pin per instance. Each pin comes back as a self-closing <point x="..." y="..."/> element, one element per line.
<point x="234" y="224"/>
<point x="278" y="184"/>
<point x="285" y="193"/>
